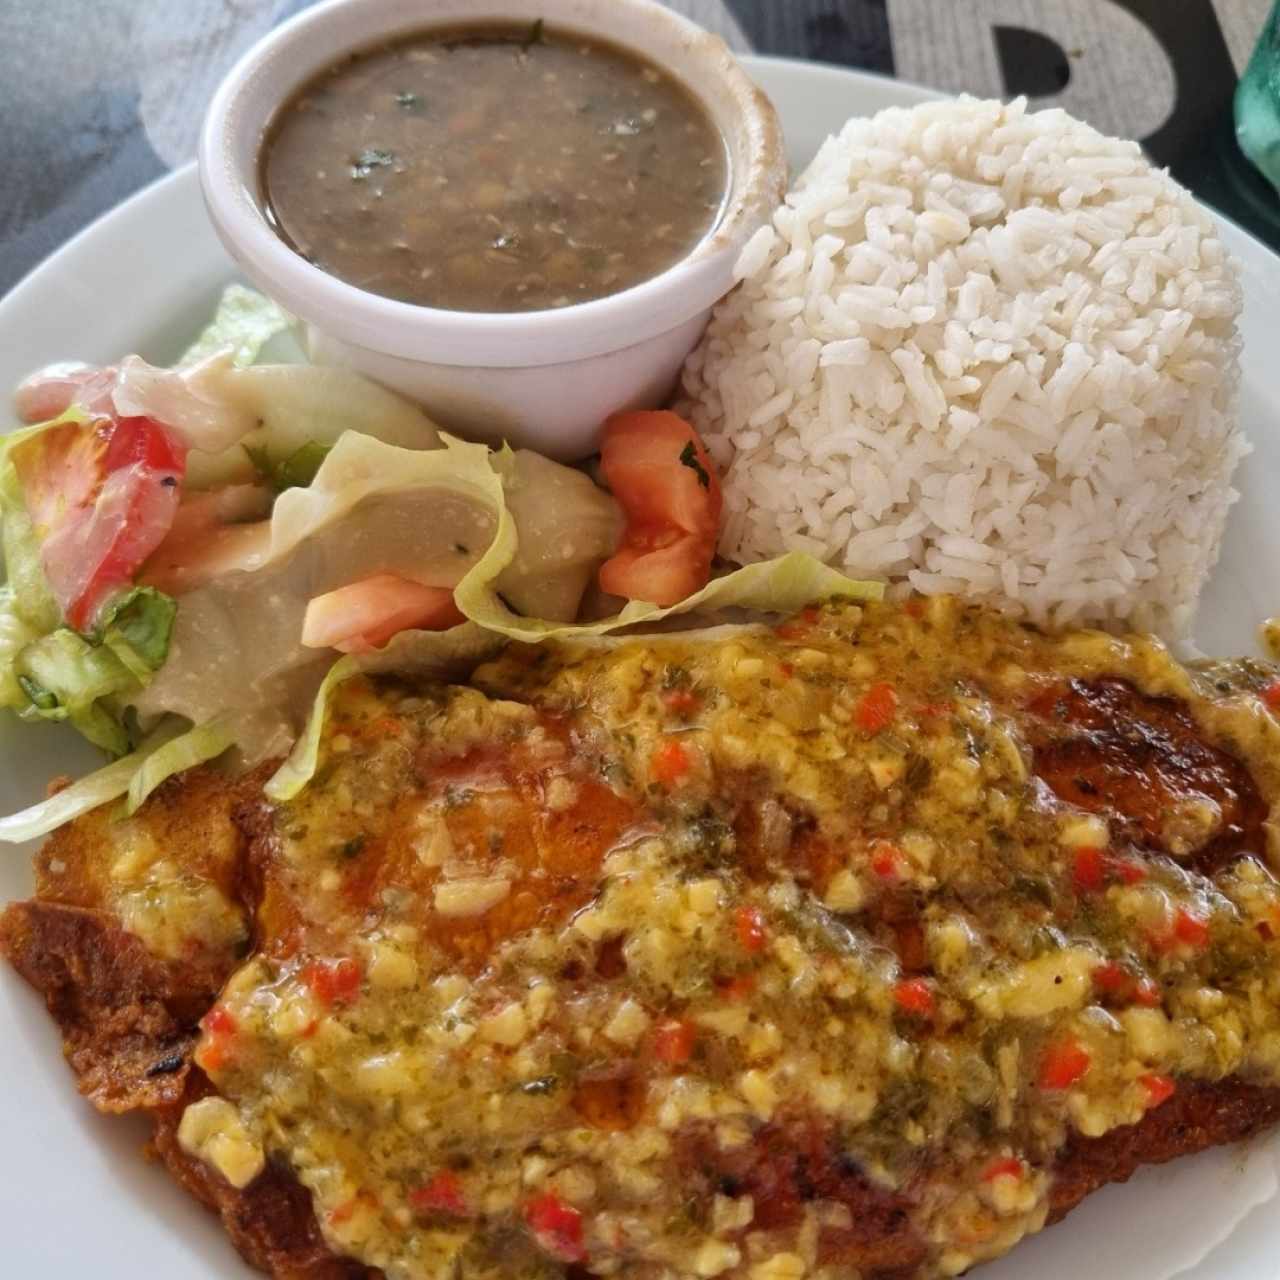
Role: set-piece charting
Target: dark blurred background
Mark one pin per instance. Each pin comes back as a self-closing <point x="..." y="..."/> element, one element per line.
<point x="98" y="97"/>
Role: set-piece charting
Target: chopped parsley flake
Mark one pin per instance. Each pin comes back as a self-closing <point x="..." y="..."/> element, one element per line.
<point x="368" y="160"/>
<point x="689" y="458"/>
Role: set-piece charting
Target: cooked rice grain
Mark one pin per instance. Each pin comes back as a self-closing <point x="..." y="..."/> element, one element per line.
<point x="988" y="351"/>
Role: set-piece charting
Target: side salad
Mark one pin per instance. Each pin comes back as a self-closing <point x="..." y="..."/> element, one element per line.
<point x="196" y="555"/>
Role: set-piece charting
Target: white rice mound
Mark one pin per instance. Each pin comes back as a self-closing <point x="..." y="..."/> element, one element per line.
<point x="987" y="351"/>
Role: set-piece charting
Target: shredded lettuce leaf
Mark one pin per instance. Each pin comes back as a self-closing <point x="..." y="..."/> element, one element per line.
<point x="433" y="654"/>
<point x="245" y="322"/>
<point x="99" y="724"/>
<point x="203" y="743"/>
<point x="73" y="671"/>
<point x="781" y="585"/>
<point x="15" y="635"/>
<point x="33" y="601"/>
<point x="87" y="681"/>
<point x="137" y="628"/>
<point x="65" y="677"/>
<point x="565" y="525"/>
<point x="280" y="408"/>
<point x="301" y="765"/>
<point x="294" y="471"/>
<point x="371" y="508"/>
<point x="88" y="793"/>
<point x="168" y="750"/>
<point x="360" y="467"/>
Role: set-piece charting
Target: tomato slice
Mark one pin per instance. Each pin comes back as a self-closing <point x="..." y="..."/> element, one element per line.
<point x="102" y="496"/>
<point x="666" y="484"/>
<point x="213" y="534"/>
<point x="366" y="614"/>
<point x="661" y="575"/>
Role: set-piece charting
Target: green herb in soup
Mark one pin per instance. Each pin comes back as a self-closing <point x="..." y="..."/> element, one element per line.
<point x="494" y="169"/>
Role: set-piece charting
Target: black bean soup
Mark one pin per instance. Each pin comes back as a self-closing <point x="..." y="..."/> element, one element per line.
<point x="494" y="168"/>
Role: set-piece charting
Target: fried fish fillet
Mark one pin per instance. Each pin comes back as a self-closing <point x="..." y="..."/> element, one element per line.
<point x="135" y="928"/>
<point x="866" y="945"/>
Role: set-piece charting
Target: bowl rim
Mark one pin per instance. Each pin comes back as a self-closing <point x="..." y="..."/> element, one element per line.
<point x="246" y="101"/>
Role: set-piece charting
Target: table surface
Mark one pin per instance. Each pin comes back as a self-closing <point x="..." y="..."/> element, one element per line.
<point x="101" y="97"/>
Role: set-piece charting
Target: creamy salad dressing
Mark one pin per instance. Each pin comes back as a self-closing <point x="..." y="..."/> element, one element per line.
<point x="237" y="642"/>
<point x="552" y="967"/>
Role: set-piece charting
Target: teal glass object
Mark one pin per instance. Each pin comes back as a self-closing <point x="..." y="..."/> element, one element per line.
<point x="1257" y="104"/>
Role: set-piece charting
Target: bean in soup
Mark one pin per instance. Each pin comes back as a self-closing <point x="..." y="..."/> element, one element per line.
<point x="494" y="169"/>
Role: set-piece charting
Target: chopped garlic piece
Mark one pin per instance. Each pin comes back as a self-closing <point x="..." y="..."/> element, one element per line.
<point x="845" y="892"/>
<point x="730" y="1021"/>
<point x="758" y="1090"/>
<point x="434" y="846"/>
<point x="212" y="1131"/>
<point x="561" y="794"/>
<point x="886" y="770"/>
<point x="1085" y="832"/>
<point x="470" y="897"/>
<point x="781" y="1266"/>
<point x="1049" y="983"/>
<point x="628" y="1024"/>
<point x="704" y="896"/>
<point x="714" y="1256"/>
<point x="391" y="969"/>
<point x="730" y="1215"/>
<point x="506" y="1027"/>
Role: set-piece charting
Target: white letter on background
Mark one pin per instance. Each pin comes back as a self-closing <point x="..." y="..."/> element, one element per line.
<point x="1121" y="78"/>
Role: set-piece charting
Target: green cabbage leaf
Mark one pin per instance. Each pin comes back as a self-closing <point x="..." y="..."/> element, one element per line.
<point x="197" y="746"/>
<point x="168" y="750"/>
<point x="244" y="323"/>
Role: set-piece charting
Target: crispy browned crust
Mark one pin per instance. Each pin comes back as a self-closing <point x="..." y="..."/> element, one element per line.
<point x="1198" y="1116"/>
<point x="271" y="1222"/>
<point x="128" y="1021"/>
<point x="1106" y="747"/>
<point x="194" y="813"/>
<point x="791" y="1163"/>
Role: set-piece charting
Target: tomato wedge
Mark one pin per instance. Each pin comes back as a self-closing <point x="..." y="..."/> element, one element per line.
<point x="666" y="484"/>
<point x="102" y="496"/>
<point x="213" y="534"/>
<point x="366" y="614"/>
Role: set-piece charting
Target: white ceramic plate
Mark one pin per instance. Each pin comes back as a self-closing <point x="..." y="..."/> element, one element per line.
<point x="76" y="1199"/>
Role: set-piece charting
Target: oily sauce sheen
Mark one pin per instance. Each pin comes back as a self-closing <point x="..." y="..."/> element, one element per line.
<point x="493" y="169"/>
